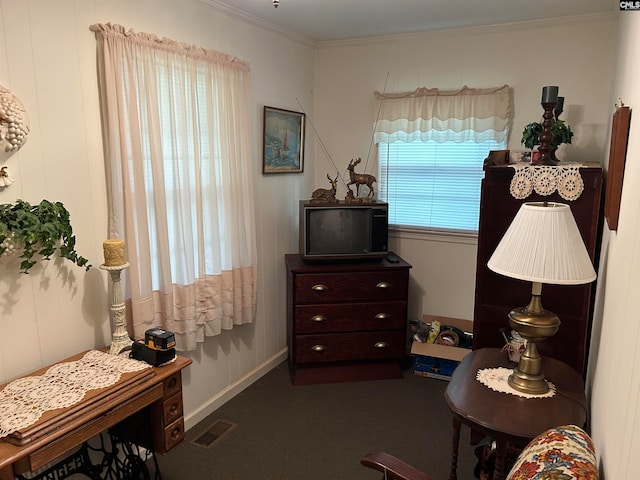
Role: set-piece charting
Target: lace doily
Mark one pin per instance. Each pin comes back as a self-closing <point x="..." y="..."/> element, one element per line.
<point x="23" y="401"/>
<point x="496" y="379"/>
<point x="545" y="180"/>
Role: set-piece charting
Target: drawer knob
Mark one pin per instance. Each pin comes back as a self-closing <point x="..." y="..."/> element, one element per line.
<point x="318" y="318"/>
<point x="381" y="345"/>
<point x="319" y="348"/>
<point x="176" y="432"/>
<point x="319" y="287"/>
<point x="383" y="285"/>
<point x="382" y="316"/>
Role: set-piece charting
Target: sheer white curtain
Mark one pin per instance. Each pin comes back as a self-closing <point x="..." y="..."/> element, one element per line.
<point x="467" y="114"/>
<point x="178" y="158"/>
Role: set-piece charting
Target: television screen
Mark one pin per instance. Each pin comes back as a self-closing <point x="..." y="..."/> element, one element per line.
<point x="343" y="231"/>
<point x="339" y="231"/>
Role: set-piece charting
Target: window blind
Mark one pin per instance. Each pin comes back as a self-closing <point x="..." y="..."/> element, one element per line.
<point x="433" y="185"/>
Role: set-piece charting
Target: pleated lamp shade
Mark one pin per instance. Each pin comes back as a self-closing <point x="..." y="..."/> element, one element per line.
<point x="543" y="244"/>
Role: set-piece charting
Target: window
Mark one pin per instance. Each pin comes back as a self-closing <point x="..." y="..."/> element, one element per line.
<point x="431" y="147"/>
<point x="433" y="185"/>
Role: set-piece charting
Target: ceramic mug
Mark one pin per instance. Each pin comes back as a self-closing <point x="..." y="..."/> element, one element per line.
<point x="515" y="347"/>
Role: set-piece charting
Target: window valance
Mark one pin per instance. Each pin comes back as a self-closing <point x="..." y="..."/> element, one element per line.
<point x="476" y="114"/>
<point x="117" y="35"/>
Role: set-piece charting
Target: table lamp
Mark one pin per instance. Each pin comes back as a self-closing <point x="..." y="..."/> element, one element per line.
<point x="542" y="245"/>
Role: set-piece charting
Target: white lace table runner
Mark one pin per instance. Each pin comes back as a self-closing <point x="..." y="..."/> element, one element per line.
<point x="496" y="379"/>
<point x="25" y="400"/>
<point x="545" y="180"/>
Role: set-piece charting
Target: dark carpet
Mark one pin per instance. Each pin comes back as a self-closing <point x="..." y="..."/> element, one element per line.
<point x="288" y="432"/>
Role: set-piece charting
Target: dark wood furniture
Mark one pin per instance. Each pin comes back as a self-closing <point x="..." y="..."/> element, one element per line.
<point x="346" y="321"/>
<point x="510" y="420"/>
<point x="392" y="467"/>
<point x="159" y="389"/>
<point x="496" y="295"/>
<point x="615" y="169"/>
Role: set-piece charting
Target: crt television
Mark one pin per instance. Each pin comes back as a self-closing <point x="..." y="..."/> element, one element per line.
<point x="343" y="231"/>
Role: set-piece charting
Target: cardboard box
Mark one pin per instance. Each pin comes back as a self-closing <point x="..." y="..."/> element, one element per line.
<point x="439" y="361"/>
<point x="432" y="367"/>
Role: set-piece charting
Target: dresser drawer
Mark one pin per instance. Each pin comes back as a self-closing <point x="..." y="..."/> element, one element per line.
<point x="172" y="408"/>
<point x="352" y="287"/>
<point x="173" y="434"/>
<point x="172" y="384"/>
<point x="331" y="317"/>
<point x="349" y="346"/>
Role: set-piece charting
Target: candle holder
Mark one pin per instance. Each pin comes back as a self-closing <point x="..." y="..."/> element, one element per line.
<point x="120" y="340"/>
<point x="546" y="137"/>
<point x="559" y="108"/>
<point x="548" y="102"/>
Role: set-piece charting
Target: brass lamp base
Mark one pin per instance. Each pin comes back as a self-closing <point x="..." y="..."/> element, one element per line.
<point x="534" y="324"/>
<point x="527" y="377"/>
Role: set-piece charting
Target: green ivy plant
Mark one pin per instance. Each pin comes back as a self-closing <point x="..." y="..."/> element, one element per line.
<point x="38" y="230"/>
<point x="560" y="131"/>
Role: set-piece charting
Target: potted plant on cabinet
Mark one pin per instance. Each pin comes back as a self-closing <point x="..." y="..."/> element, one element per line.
<point x="33" y="231"/>
<point x="560" y="131"/>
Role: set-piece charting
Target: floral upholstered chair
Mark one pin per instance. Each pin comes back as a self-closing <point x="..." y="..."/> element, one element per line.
<point x="560" y="453"/>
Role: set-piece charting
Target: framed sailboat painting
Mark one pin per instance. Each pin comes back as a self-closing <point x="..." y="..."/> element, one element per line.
<point x="283" y="141"/>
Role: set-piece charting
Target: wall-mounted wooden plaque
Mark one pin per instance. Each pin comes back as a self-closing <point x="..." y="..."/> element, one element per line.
<point x="615" y="170"/>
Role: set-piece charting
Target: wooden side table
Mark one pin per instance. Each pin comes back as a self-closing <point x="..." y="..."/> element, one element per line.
<point x="510" y="420"/>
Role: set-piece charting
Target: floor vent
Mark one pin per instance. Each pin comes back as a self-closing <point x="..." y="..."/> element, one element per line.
<point x="214" y="433"/>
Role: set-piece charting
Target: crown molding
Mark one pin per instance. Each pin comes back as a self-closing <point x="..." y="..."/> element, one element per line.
<point x="247" y="17"/>
<point x="595" y="18"/>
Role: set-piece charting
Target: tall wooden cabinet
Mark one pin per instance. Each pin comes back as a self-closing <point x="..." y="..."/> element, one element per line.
<point x="496" y="295"/>
<point x="346" y="321"/>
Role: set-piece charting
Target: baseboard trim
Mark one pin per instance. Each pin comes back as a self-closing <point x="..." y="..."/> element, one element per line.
<point x="215" y="402"/>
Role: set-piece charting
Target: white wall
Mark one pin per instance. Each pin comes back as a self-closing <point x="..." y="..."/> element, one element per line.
<point x="614" y="375"/>
<point x="47" y="58"/>
<point x="574" y="53"/>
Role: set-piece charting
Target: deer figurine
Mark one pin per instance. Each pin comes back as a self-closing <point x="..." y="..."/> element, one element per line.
<point x="324" y="195"/>
<point x="360" y="178"/>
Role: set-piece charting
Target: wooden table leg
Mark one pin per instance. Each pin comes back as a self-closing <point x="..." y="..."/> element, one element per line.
<point x="6" y="473"/>
<point x="501" y="456"/>
<point x="455" y="442"/>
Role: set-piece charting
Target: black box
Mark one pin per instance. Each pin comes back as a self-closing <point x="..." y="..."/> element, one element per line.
<point x="159" y="339"/>
<point x="140" y="351"/>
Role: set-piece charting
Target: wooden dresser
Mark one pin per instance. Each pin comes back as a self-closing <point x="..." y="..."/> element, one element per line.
<point x="346" y="321"/>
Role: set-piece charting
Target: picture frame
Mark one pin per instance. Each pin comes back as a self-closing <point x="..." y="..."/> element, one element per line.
<point x="535" y="156"/>
<point x="520" y="156"/>
<point x="615" y="170"/>
<point x="282" y="141"/>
